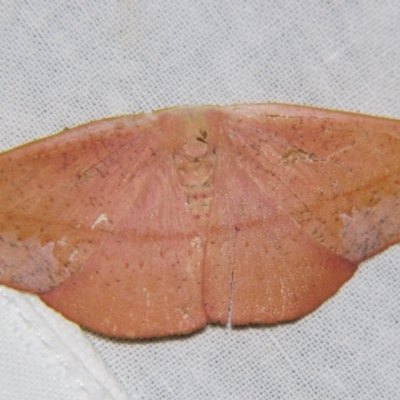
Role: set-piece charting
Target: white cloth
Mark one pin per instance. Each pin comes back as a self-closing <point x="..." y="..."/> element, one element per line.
<point x="63" y="63"/>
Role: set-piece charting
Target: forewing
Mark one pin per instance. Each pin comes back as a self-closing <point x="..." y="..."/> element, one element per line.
<point x="336" y="174"/>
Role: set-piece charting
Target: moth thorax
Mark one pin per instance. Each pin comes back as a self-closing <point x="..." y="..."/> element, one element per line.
<point x="195" y="166"/>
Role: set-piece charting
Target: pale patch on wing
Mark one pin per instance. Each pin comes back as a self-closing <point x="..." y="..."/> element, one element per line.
<point x="196" y="243"/>
<point x="28" y="264"/>
<point x="369" y="230"/>
<point x="101" y="218"/>
<point x="62" y="241"/>
<point x="72" y="256"/>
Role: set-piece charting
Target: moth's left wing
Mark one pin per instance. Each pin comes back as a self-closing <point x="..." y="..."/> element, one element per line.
<point x="94" y="220"/>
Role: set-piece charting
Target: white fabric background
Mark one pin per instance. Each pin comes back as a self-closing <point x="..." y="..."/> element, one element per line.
<point x="63" y="63"/>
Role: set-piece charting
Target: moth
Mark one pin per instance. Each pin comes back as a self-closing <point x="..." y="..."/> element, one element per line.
<point x="156" y="224"/>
